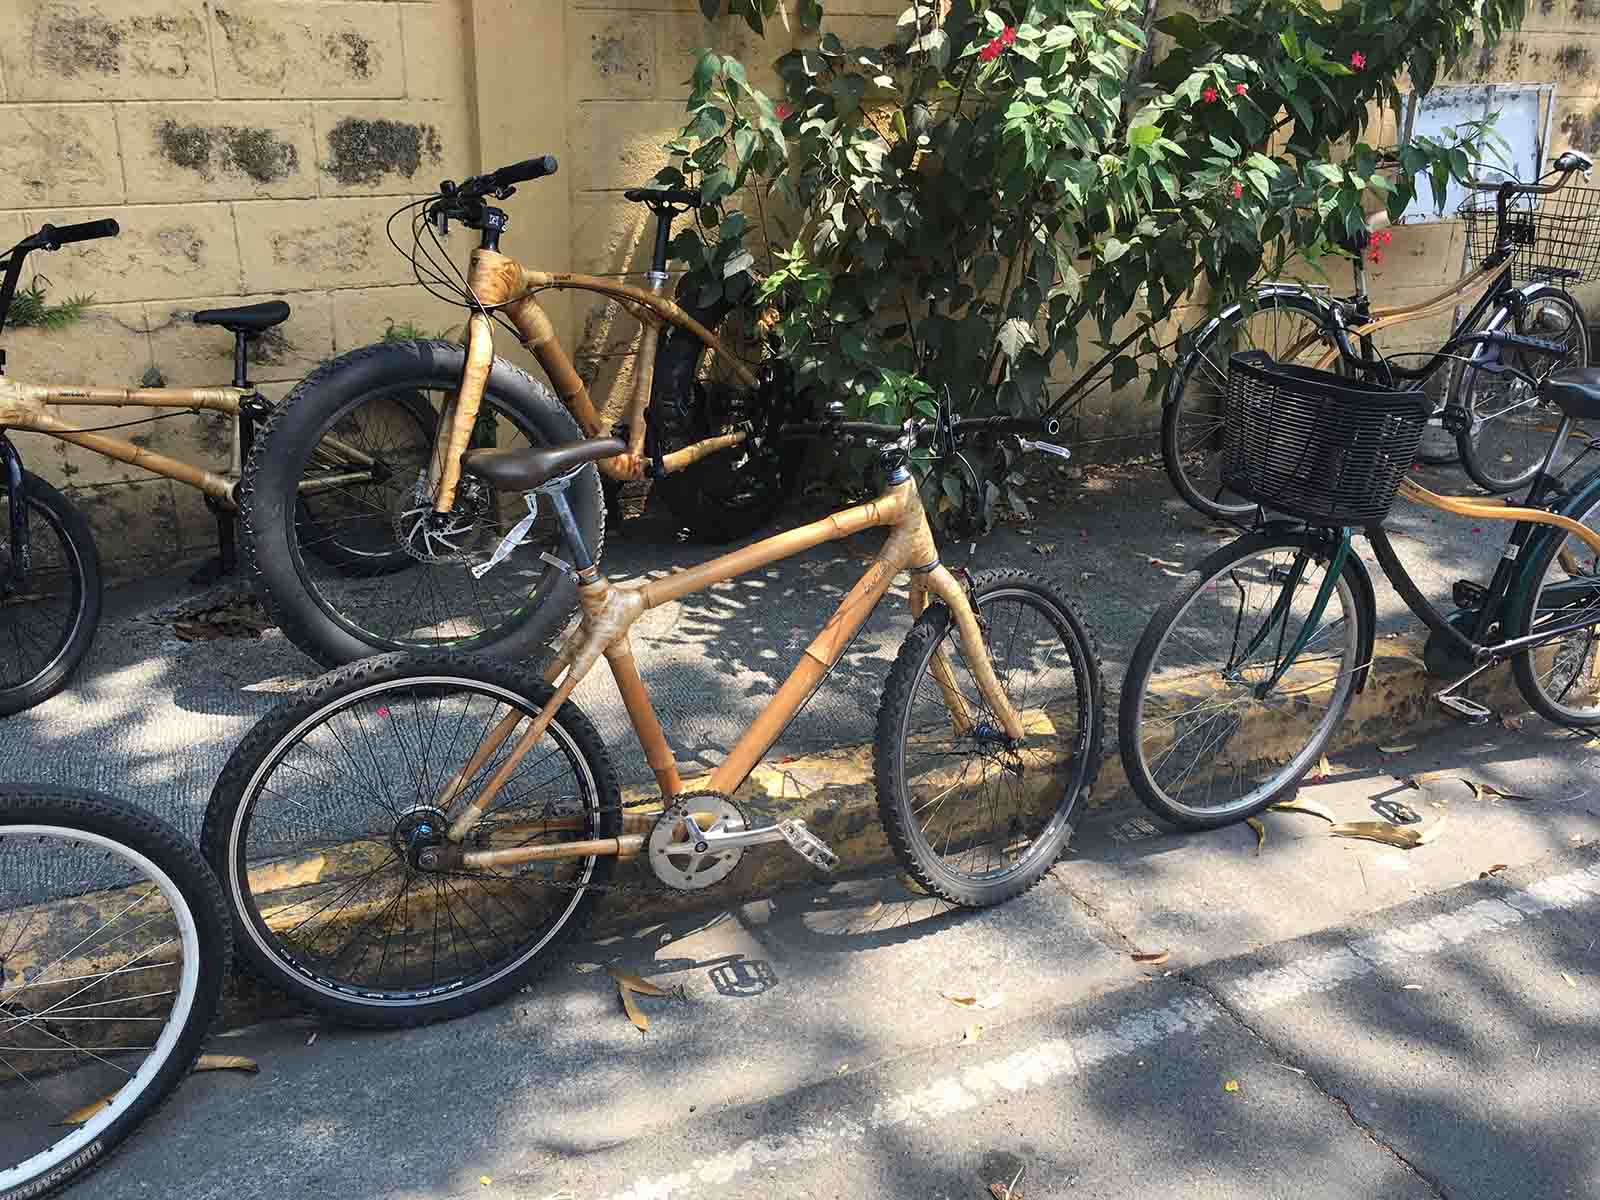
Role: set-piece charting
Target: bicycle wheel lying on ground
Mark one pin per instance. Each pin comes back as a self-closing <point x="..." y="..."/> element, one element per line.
<point x="48" y="615"/>
<point x="114" y="945"/>
<point x="315" y="826"/>
<point x="973" y="820"/>
<point x="1200" y="747"/>
<point x="336" y="512"/>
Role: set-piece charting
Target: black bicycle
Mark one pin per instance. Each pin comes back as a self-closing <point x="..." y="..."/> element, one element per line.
<point x="1530" y="244"/>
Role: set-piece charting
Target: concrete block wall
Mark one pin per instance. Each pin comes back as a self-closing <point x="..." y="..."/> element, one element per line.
<point x="255" y="148"/>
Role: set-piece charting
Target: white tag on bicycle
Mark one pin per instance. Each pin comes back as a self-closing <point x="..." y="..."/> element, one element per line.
<point x="514" y="537"/>
<point x="1045" y="447"/>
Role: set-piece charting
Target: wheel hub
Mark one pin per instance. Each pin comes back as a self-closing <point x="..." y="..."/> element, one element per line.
<point x="417" y="830"/>
<point x="685" y="863"/>
<point x="442" y="537"/>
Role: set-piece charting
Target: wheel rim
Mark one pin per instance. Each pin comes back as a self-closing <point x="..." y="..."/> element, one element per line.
<point x="1512" y="424"/>
<point x="1289" y="334"/>
<point x="37" y="620"/>
<point x="1198" y="720"/>
<point x="971" y="814"/>
<point x="414" y="594"/>
<point x="112" y="999"/>
<point x="1566" y="672"/>
<point x="367" y="758"/>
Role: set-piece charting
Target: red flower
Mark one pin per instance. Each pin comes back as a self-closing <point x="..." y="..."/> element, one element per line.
<point x="383" y="710"/>
<point x="1238" y="190"/>
<point x="1386" y="237"/>
<point x="1376" y="256"/>
<point x="1209" y="95"/>
<point x="783" y="111"/>
<point x="1240" y="89"/>
<point x="1358" y="60"/>
<point x="992" y="51"/>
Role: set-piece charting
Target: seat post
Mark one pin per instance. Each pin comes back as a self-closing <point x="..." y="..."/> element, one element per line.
<point x="241" y="351"/>
<point x="582" y="560"/>
<point x="658" y="264"/>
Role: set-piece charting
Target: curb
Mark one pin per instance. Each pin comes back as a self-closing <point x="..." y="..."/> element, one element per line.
<point x="835" y="793"/>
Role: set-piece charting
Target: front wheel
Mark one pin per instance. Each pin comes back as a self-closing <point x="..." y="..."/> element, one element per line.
<point x="1511" y="424"/>
<point x="337" y="522"/>
<point x="974" y="819"/>
<point x="116" y="948"/>
<point x="319" y="822"/>
<point x="49" y="608"/>
<point x="1207" y="736"/>
<point x="1293" y="328"/>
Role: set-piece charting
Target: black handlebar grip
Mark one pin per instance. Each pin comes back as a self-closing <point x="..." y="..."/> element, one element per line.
<point x="85" y="231"/>
<point x="525" y="171"/>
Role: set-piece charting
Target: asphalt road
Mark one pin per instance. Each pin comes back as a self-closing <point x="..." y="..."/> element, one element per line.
<point x="152" y="718"/>
<point x="1335" y="1018"/>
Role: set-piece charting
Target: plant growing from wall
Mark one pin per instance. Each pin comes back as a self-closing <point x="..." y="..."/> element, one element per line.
<point x="30" y="307"/>
<point x="962" y="202"/>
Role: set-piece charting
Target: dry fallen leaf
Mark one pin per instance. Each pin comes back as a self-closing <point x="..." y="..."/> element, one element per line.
<point x="227" y="1062"/>
<point x="1479" y="788"/>
<point x="1165" y="564"/>
<point x="970" y="1034"/>
<point x="1571" y="982"/>
<point x="1411" y="987"/>
<point x="1231" y="1086"/>
<point x="964" y="1001"/>
<point x="843" y="1069"/>
<point x="1153" y="958"/>
<point x="82" y="1113"/>
<point x="1396" y="747"/>
<point x="1494" y="870"/>
<point x="1261" y="833"/>
<point x="910" y="884"/>
<point x="1001" y="1191"/>
<point x="1403" y="837"/>
<point x="312" y="1040"/>
<point x="635" y="1014"/>
<point x="1322" y="770"/>
<point x="634" y="983"/>
<point x="484" y="1181"/>
<point x="1307" y="807"/>
<point x="1044" y="547"/>
<point x="1511" y="722"/>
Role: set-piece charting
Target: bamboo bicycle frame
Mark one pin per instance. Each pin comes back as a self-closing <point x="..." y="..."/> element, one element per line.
<point x="25" y="406"/>
<point x="503" y="284"/>
<point x="608" y="613"/>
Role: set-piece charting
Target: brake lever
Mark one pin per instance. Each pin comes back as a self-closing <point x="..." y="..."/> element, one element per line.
<point x="441" y="220"/>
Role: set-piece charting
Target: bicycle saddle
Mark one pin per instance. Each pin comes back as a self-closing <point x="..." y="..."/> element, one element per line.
<point x="524" y="470"/>
<point x="246" y="318"/>
<point x="655" y="196"/>
<point x="1576" y="392"/>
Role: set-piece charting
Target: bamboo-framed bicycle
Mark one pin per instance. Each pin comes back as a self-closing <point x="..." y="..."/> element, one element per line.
<point x="700" y="420"/>
<point x="50" y="582"/>
<point x="1530" y="246"/>
<point x="407" y="840"/>
<point x="1241" y="679"/>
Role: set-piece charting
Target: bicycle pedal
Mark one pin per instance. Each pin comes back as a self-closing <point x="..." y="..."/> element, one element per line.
<point x="1469" y="711"/>
<point x="808" y="845"/>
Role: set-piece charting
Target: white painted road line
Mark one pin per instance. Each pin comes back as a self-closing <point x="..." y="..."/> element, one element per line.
<point x="1060" y="1058"/>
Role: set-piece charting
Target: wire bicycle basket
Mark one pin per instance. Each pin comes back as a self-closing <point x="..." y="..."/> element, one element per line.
<point x="1315" y="445"/>
<point x="1555" y="238"/>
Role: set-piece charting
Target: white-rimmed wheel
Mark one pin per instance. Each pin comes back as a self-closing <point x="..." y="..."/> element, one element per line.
<point x="114" y="945"/>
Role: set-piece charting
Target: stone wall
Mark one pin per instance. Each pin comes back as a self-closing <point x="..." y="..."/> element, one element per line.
<point x="255" y="148"/>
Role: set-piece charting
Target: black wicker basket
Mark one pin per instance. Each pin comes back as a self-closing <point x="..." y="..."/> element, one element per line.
<point x="1316" y="445"/>
<point x="1555" y="238"/>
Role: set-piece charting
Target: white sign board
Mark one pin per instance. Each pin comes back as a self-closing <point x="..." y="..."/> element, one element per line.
<point x="1523" y="110"/>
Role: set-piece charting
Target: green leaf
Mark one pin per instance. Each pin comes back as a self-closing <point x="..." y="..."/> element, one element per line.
<point x="711" y="8"/>
<point x="1123" y="371"/>
<point x="1014" y="336"/>
<point x="742" y="261"/>
<point x="1144" y="135"/>
<point x="847" y="91"/>
<point x="1112" y="250"/>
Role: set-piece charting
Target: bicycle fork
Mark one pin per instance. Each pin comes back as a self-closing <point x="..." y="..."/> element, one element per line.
<point x="18" y="560"/>
<point x="1280" y="614"/>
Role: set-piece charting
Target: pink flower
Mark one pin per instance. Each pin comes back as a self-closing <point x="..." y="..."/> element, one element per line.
<point x="992" y="51"/>
<point x="783" y="111"/>
<point x="1358" y="60"/>
<point x="383" y="710"/>
<point x="1009" y="36"/>
<point x="1240" y="89"/>
<point x="1209" y="95"/>
<point x="1238" y="190"/>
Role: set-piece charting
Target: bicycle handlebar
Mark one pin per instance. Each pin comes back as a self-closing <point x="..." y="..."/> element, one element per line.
<point x="1567" y="165"/>
<point x="525" y="171"/>
<point x="53" y="237"/>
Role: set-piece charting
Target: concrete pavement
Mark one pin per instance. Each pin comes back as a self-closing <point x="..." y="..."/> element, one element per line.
<point x="1335" y="1019"/>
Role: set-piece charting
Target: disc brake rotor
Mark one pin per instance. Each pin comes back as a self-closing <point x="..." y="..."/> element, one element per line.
<point x="453" y="540"/>
<point x="676" y="859"/>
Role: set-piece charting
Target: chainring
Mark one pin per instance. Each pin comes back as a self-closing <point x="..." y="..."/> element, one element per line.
<point x="673" y="857"/>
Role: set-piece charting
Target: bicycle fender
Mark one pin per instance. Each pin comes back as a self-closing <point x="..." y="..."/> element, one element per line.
<point x="1582" y="500"/>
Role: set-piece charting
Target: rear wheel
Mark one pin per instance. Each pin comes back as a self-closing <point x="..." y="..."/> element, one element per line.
<point x="50" y="608"/>
<point x="696" y="395"/>
<point x="974" y="819"/>
<point x="316" y="826"/>
<point x="116" y="946"/>
<point x="1561" y="679"/>
<point x="1293" y="329"/>
<point x="1512" y="422"/>
<point x="1200" y="746"/>
<point x="336" y="512"/>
